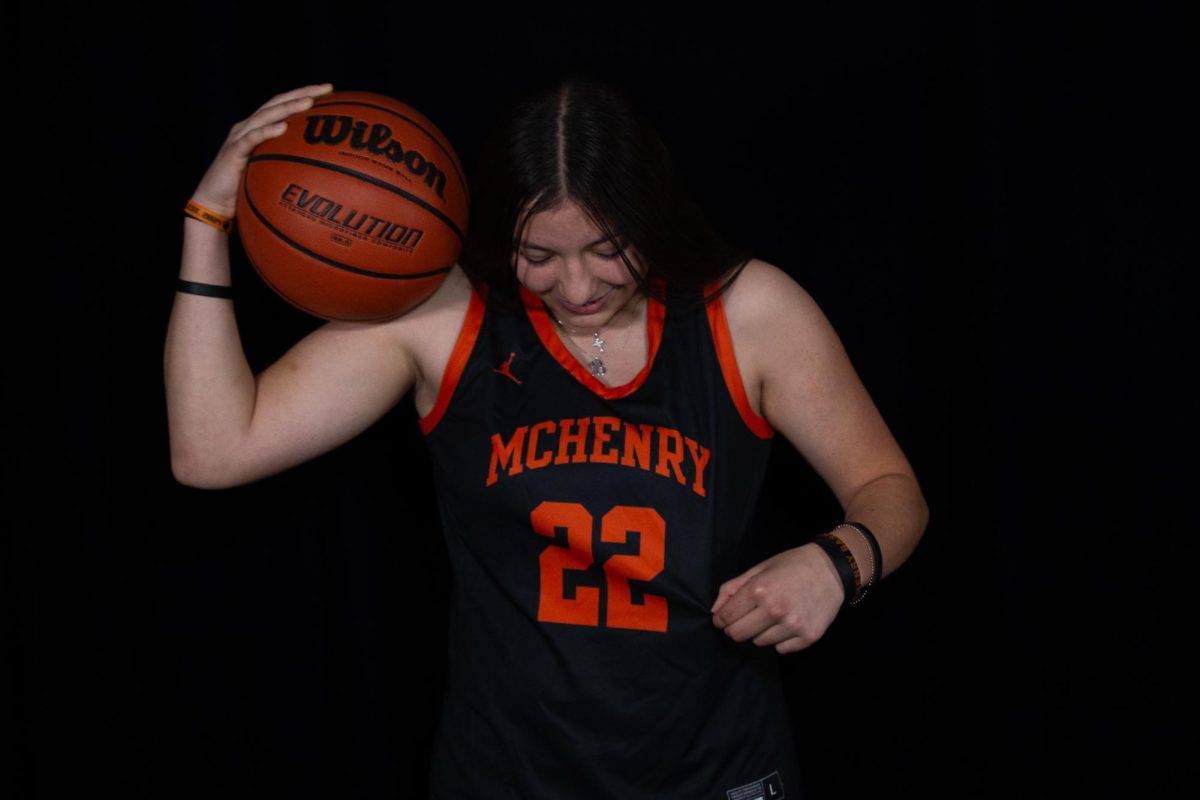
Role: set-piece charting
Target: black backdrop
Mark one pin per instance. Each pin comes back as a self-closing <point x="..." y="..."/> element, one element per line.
<point x="987" y="202"/>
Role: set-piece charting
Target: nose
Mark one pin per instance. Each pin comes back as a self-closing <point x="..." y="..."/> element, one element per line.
<point x="577" y="286"/>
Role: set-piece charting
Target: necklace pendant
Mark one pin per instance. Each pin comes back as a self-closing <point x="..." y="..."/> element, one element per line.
<point x="599" y="342"/>
<point x="596" y="367"/>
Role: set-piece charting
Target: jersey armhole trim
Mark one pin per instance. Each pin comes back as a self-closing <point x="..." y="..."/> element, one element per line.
<point x="457" y="362"/>
<point x="729" y="368"/>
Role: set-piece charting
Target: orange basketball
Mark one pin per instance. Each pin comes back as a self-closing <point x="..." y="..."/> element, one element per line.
<point x="357" y="211"/>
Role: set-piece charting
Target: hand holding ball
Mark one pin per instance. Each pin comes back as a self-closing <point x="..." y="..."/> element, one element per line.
<point x="357" y="211"/>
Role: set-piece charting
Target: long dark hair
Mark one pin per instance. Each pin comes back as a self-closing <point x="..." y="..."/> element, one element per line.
<point x="583" y="141"/>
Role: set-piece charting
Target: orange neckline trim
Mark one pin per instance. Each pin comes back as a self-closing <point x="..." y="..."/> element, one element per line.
<point x="457" y="362"/>
<point x="542" y="324"/>
<point x="729" y="368"/>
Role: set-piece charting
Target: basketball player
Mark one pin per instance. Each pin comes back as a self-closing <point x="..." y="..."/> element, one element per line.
<point x="599" y="383"/>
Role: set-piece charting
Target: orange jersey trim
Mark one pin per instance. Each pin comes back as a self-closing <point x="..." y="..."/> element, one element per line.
<point x="655" y="312"/>
<point x="725" y="355"/>
<point x="458" y="361"/>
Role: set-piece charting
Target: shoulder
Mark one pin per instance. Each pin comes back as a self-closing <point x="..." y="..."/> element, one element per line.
<point x="764" y="306"/>
<point x="778" y="331"/>
<point x="809" y="389"/>
<point x="427" y="334"/>
<point x="762" y="286"/>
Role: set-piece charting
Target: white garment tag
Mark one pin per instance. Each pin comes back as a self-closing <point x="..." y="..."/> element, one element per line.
<point x="768" y="788"/>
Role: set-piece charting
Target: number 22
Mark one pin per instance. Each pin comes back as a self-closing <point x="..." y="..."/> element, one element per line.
<point x="619" y="569"/>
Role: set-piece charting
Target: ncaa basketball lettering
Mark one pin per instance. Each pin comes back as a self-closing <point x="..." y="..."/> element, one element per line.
<point x="603" y="440"/>
<point x="354" y="220"/>
<point x="331" y="129"/>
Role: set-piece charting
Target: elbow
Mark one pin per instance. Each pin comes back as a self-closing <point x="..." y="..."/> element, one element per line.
<point x="186" y="472"/>
<point x="917" y="502"/>
<point x="199" y="464"/>
<point x="192" y="473"/>
<point x="911" y="500"/>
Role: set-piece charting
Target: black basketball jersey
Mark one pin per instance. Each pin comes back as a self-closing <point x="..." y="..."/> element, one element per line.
<point x="589" y="528"/>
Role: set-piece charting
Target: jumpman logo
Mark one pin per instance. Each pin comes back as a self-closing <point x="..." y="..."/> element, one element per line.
<point x="503" y="369"/>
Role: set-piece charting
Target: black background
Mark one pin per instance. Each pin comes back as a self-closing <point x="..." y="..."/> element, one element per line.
<point x="989" y="202"/>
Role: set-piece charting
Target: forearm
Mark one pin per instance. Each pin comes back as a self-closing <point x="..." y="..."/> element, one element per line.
<point x="210" y="388"/>
<point x="895" y="511"/>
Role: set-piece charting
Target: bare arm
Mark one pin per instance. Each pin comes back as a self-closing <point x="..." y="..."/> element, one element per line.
<point x="793" y="363"/>
<point x="210" y="389"/>
<point x="812" y="394"/>
<point x="228" y="426"/>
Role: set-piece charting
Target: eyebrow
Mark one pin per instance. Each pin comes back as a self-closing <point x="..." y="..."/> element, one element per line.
<point x="601" y="240"/>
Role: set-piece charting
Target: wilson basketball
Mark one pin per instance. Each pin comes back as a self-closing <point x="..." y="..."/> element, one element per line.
<point x="357" y="211"/>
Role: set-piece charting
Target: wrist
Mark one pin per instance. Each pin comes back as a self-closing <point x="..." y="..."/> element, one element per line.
<point x="833" y="570"/>
<point x="222" y="207"/>
<point x="216" y="218"/>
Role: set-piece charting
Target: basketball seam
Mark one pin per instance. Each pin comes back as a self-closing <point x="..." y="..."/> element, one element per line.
<point x="328" y="261"/>
<point x="312" y="162"/>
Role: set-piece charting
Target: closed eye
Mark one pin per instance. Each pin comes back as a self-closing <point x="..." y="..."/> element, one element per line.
<point x="531" y="260"/>
<point x="613" y="256"/>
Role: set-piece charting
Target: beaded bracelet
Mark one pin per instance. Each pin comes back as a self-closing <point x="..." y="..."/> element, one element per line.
<point x="876" y="556"/>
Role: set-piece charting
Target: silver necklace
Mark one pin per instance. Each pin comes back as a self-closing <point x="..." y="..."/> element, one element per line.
<point x="596" y="364"/>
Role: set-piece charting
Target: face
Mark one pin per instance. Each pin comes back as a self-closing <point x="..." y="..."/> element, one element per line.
<point x="566" y="261"/>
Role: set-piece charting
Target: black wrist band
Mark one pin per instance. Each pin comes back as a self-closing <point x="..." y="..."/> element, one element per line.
<point x="841" y="562"/>
<point x="206" y="289"/>
<point x="849" y="556"/>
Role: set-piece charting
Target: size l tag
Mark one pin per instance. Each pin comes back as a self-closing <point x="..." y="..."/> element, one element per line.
<point x="768" y="788"/>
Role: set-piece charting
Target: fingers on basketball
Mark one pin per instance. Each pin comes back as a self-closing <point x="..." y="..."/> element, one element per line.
<point x="272" y="113"/>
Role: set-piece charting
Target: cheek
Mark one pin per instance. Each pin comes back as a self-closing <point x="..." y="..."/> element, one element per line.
<point x="535" y="280"/>
<point x="619" y="276"/>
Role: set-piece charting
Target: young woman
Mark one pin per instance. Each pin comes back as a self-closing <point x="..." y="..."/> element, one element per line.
<point x="599" y="383"/>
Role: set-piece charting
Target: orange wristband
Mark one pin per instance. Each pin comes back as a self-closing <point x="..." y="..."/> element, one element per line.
<point x="221" y="223"/>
